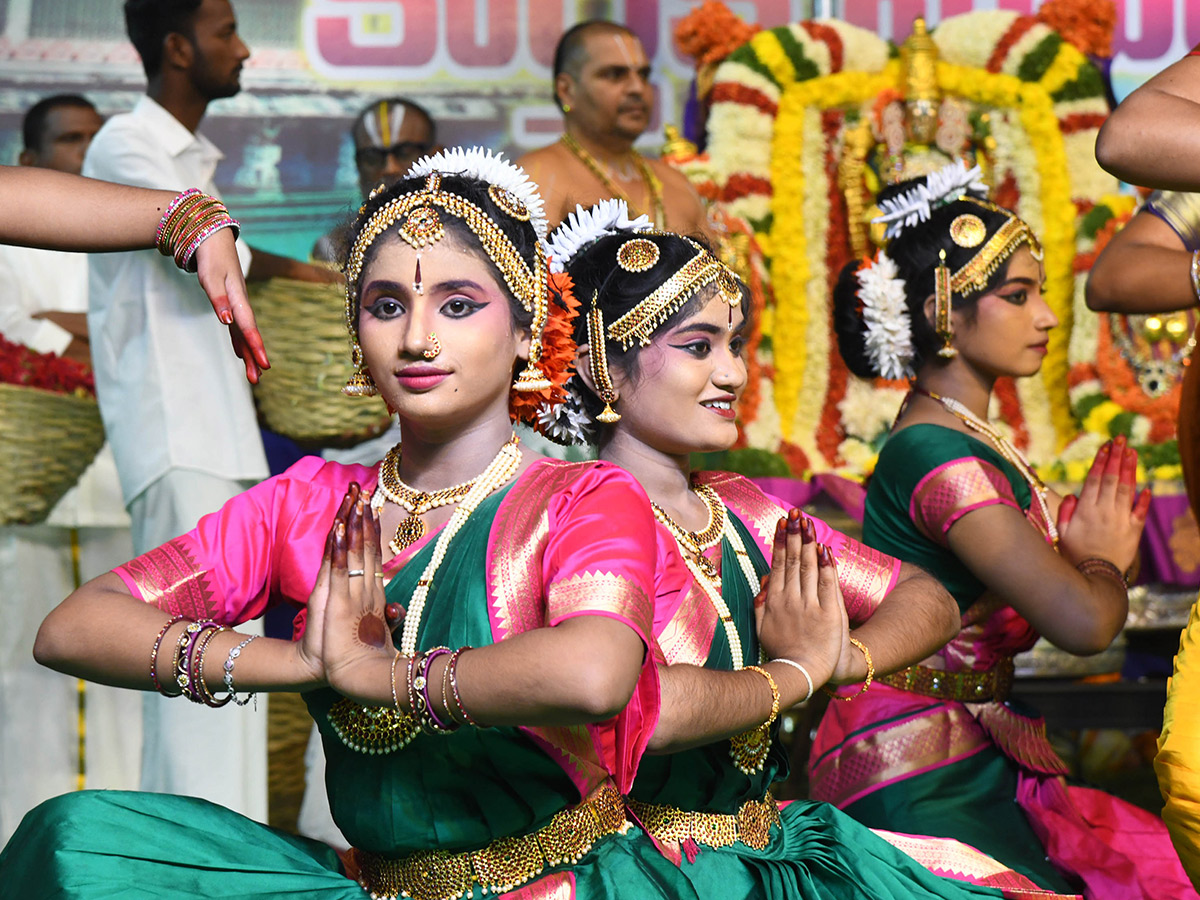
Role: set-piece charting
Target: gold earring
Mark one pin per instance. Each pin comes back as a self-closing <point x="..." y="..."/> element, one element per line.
<point x="434" y="348"/>
<point x="360" y="383"/>
<point x="941" y="306"/>
<point x="598" y="363"/>
<point x="566" y="108"/>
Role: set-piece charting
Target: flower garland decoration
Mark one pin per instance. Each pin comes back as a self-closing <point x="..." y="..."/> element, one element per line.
<point x="558" y="356"/>
<point x="768" y="164"/>
<point x="712" y="31"/>
<point x="885" y="317"/>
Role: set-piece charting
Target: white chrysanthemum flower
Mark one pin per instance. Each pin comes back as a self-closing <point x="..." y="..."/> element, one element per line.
<point x="584" y="226"/>
<point x="888" y="337"/>
<point x="493" y="168"/>
<point x="946" y="185"/>
<point x="566" y="422"/>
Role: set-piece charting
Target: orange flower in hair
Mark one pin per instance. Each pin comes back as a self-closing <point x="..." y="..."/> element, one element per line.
<point x="558" y="352"/>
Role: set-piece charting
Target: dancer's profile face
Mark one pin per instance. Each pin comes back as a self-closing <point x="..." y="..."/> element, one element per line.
<point x="683" y="396"/>
<point x="1008" y="333"/>
<point x="461" y="303"/>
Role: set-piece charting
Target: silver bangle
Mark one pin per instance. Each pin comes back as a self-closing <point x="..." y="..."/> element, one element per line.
<point x="229" y="661"/>
<point x="803" y="671"/>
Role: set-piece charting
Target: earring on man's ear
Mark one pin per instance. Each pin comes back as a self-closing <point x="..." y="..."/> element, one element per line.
<point x="941" y="306"/>
<point x="360" y="383"/>
<point x="566" y="107"/>
<point x="598" y="364"/>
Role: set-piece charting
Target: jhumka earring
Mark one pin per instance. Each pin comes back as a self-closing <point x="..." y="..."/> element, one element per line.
<point x="360" y="383"/>
<point x="598" y="363"/>
<point x="941" y="306"/>
<point x="434" y="348"/>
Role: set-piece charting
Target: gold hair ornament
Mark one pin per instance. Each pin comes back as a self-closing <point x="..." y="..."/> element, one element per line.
<point x="598" y="363"/>
<point x="637" y="255"/>
<point x="979" y="268"/>
<point x="420" y="226"/>
<point x="968" y="231"/>
<point x="640" y="323"/>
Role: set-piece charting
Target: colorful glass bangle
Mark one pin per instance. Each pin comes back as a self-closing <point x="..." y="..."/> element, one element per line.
<point x="452" y="669"/>
<point x="1095" y="565"/>
<point x="202" y="690"/>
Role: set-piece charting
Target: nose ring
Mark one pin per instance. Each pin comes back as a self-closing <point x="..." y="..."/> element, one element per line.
<point x="434" y="348"/>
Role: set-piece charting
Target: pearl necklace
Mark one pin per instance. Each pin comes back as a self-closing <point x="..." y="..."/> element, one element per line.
<point x="1018" y="460"/>
<point x="498" y="472"/>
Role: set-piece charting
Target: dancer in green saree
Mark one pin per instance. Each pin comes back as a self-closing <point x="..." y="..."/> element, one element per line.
<point x="661" y="333"/>
<point x="450" y="769"/>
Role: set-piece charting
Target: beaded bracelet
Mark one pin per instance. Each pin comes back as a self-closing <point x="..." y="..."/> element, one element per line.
<point x="1096" y="565"/>
<point x="234" y="653"/>
<point x="803" y="671"/>
<point x="154" y="656"/>
<point x="866" y="682"/>
<point x="774" y="692"/>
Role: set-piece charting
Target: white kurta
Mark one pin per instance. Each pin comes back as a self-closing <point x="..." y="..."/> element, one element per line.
<point x="180" y="417"/>
<point x="39" y="708"/>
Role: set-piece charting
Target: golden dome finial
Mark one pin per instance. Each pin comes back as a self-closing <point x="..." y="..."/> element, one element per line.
<point x="676" y="146"/>
<point x="919" y="55"/>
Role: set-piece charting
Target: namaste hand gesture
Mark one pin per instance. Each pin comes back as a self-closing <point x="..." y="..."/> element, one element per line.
<point x="1107" y="518"/>
<point x="801" y="615"/>
<point x="347" y="632"/>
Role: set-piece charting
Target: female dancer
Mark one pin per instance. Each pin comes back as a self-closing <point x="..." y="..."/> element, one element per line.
<point x="956" y="300"/>
<point x="429" y="775"/>
<point x="660" y="373"/>
<point x="57" y="211"/>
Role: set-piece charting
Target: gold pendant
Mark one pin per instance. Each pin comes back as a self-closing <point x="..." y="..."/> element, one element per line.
<point x="708" y="567"/>
<point x="748" y="750"/>
<point x="372" y="730"/>
<point x="408" y="532"/>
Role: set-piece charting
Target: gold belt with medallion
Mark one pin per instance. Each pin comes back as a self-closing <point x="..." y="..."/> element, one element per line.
<point x="969" y="687"/>
<point x="751" y="824"/>
<point x="501" y="865"/>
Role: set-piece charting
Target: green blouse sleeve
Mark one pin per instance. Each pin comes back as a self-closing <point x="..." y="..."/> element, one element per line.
<point x="926" y="479"/>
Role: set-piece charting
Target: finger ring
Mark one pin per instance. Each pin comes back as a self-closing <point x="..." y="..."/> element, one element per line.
<point x="354" y="572"/>
<point x="379" y="575"/>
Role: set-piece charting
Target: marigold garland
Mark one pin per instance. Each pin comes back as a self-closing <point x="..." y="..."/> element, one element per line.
<point x="558" y="352"/>
<point x="1087" y="24"/>
<point x="712" y="31"/>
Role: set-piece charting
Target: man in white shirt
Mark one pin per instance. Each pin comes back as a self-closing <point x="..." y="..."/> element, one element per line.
<point x="45" y="748"/>
<point x="175" y="401"/>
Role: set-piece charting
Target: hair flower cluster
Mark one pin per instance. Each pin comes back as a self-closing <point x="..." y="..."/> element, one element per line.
<point x="885" y="317"/>
<point x="917" y="204"/>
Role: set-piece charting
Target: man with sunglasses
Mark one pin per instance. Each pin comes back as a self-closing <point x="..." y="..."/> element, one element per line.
<point x="389" y="136"/>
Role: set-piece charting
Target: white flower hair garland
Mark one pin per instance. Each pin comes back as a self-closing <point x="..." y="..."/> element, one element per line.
<point x="584" y="226"/>
<point x="885" y="314"/>
<point x="946" y="185"/>
<point x="493" y="168"/>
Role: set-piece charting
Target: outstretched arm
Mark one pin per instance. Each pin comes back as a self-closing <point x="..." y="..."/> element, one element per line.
<point x="56" y="211"/>
<point x="1144" y="269"/>
<point x="1153" y="137"/>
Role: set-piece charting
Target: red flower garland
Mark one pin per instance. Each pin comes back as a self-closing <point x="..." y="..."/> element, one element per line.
<point x="21" y="366"/>
<point x="558" y="351"/>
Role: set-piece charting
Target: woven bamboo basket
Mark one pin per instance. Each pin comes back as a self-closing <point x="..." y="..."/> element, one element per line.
<point x="288" y="727"/>
<point x="300" y="396"/>
<point x="47" y="440"/>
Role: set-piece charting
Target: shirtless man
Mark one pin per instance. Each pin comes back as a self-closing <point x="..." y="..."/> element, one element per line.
<point x="602" y="86"/>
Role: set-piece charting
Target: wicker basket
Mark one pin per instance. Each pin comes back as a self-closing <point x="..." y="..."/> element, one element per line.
<point x="47" y="440"/>
<point x="300" y="396"/>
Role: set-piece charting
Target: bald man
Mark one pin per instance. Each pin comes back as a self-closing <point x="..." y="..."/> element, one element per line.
<point x="602" y="86"/>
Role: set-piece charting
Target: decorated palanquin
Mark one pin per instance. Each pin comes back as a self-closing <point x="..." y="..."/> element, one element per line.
<point x="806" y="122"/>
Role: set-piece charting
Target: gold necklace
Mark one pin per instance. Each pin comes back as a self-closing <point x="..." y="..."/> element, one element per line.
<point x="694" y="543"/>
<point x="653" y="184"/>
<point x="415" y="503"/>
<point x="1037" y="487"/>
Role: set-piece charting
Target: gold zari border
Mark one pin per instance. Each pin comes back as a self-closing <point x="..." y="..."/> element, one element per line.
<point x="501" y="865"/>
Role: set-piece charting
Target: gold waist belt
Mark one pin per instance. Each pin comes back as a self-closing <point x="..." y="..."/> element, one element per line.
<point x="501" y="865"/>
<point x="969" y="687"/>
<point x="751" y="824"/>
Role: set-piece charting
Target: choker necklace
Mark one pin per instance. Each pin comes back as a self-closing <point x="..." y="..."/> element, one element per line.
<point x="498" y="472"/>
<point x="748" y="750"/>
<point x="417" y="503"/>
<point x="1006" y="449"/>
<point x="652" y="182"/>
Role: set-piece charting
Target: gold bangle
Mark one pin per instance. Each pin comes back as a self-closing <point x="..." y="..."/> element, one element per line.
<point x="774" y="691"/>
<point x="396" y="699"/>
<point x="866" y="681"/>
